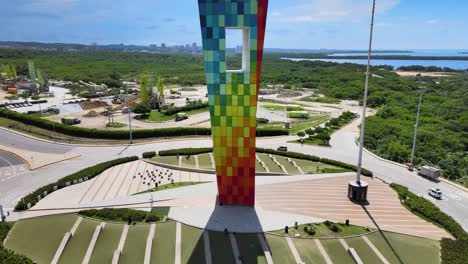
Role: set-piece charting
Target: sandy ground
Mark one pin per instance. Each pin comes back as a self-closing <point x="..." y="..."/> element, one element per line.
<point x="430" y="74"/>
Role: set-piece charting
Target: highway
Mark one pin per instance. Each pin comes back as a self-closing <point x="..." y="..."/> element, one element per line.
<point x="343" y="148"/>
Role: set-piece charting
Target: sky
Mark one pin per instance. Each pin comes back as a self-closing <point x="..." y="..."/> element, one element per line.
<point x="302" y="24"/>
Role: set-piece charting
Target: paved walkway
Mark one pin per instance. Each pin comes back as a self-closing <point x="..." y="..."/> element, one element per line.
<point x="326" y="198"/>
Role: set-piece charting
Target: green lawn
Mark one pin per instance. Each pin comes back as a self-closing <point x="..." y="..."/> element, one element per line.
<point x="157" y="116"/>
<point x="39" y="238"/>
<point x="163" y="250"/>
<point x="135" y="244"/>
<point x="269" y="163"/>
<point x="336" y="251"/>
<point x="363" y="250"/>
<point x="279" y="248"/>
<point x="193" y="250"/>
<point x="204" y="161"/>
<point x="308" y="251"/>
<point x="323" y="231"/>
<point x="171" y="160"/>
<point x="171" y="186"/>
<point x="274" y="107"/>
<point x="76" y="248"/>
<point x="313" y="121"/>
<point x="258" y="167"/>
<point x="311" y="167"/>
<point x="399" y="248"/>
<point x="288" y="166"/>
<point x="221" y="248"/>
<point x="250" y="248"/>
<point x="188" y="163"/>
<point x="107" y="243"/>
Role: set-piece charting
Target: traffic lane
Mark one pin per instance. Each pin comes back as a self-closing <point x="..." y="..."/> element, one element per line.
<point x="9" y="159"/>
<point x="14" y="140"/>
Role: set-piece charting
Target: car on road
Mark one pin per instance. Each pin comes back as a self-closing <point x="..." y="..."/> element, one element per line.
<point x="181" y="116"/>
<point x="70" y="121"/>
<point x="436" y="193"/>
<point x="282" y="148"/>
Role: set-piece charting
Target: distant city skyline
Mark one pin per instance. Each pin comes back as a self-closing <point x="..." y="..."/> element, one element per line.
<point x="292" y="24"/>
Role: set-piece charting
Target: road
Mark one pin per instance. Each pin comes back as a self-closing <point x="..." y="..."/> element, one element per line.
<point x="343" y="148"/>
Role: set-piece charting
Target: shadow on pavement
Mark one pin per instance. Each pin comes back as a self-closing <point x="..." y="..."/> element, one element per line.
<point x="228" y="225"/>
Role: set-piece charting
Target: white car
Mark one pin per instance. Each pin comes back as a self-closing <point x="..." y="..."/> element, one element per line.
<point x="436" y="193"/>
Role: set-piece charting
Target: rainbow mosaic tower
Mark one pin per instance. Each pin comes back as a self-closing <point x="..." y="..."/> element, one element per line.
<point x="233" y="94"/>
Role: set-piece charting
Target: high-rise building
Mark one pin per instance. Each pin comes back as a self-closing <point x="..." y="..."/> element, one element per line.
<point x="233" y="94"/>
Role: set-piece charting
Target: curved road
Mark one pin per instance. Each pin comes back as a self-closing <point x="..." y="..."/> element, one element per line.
<point x="454" y="203"/>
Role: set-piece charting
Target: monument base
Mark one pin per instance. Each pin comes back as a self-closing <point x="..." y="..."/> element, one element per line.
<point x="357" y="191"/>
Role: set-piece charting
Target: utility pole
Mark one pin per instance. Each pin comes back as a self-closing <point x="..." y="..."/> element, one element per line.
<point x="357" y="190"/>
<point x="421" y="90"/>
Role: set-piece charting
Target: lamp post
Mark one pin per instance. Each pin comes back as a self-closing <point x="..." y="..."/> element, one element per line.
<point x="357" y="190"/>
<point x="421" y="90"/>
<point x="129" y="118"/>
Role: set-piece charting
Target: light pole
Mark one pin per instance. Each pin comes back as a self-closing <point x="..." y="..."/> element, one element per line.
<point x="357" y="190"/>
<point x="421" y="90"/>
<point x="129" y="118"/>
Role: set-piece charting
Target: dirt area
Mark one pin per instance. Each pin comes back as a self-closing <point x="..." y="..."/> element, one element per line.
<point x="430" y="74"/>
<point x="3" y="94"/>
<point x="86" y="105"/>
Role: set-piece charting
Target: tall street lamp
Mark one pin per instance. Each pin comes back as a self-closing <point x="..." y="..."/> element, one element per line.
<point x="411" y="164"/>
<point x="357" y="190"/>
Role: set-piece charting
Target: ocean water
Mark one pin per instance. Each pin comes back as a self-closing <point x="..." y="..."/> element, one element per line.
<point x="454" y="64"/>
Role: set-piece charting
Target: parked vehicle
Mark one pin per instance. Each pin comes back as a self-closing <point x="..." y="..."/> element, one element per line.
<point x="283" y="148"/>
<point x="429" y="172"/>
<point x="181" y="116"/>
<point x="70" y="121"/>
<point x="436" y="193"/>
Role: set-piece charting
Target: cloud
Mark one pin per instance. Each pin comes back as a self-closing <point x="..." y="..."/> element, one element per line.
<point x="383" y="24"/>
<point x="334" y="10"/>
<point x="50" y="4"/>
<point x="432" y="21"/>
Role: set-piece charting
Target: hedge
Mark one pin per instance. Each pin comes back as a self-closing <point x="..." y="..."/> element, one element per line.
<point x="149" y="155"/>
<point x="122" y="214"/>
<point x="176" y="109"/>
<point x="185" y="151"/>
<point x="452" y="251"/>
<point x="89" y="172"/>
<point x="7" y="256"/>
<point x="119" y="134"/>
<point x="427" y="209"/>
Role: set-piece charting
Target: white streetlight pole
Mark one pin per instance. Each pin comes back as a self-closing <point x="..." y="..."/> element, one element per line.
<point x="421" y="89"/>
<point x="130" y="117"/>
<point x="364" y="101"/>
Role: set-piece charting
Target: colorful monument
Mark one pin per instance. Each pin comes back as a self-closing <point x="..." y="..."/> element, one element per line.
<point x="233" y="94"/>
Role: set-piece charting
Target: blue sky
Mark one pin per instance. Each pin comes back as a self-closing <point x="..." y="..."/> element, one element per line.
<point x="313" y="24"/>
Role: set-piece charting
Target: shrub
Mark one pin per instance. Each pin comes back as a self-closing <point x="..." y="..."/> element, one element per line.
<point x="118" y="214"/>
<point x="120" y="134"/>
<point x="6" y="255"/>
<point x="151" y="217"/>
<point x="149" y="155"/>
<point x="189" y="107"/>
<point x="454" y="251"/>
<point x="310" y="230"/>
<point x="262" y="120"/>
<point x="89" y="172"/>
<point x="185" y="151"/>
<point x="424" y="207"/>
<point x="335" y="228"/>
<point x="294" y="108"/>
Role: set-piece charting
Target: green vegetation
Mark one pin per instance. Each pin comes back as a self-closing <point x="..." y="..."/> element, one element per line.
<point x="363" y="250"/>
<point x="115" y="125"/>
<point x="6" y="255"/>
<point x="122" y="215"/>
<point x="171" y="186"/>
<point x="193" y="250"/>
<point x="324" y="100"/>
<point x="325" y="229"/>
<point x="157" y="116"/>
<point x="164" y="243"/>
<point x="279" y="248"/>
<point x="221" y="249"/>
<point x="106" y="244"/>
<point x="135" y="244"/>
<point x="184" y="151"/>
<point x="322" y="135"/>
<point x="250" y="249"/>
<point x="171" y="160"/>
<point x="451" y="249"/>
<point x="148" y="155"/>
<point x="308" y="251"/>
<point x="269" y="163"/>
<point x="275" y="107"/>
<point x="76" y="248"/>
<point x="297" y="125"/>
<point x="204" y="161"/>
<point x="336" y="251"/>
<point x="89" y="172"/>
<point x="35" y="239"/>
